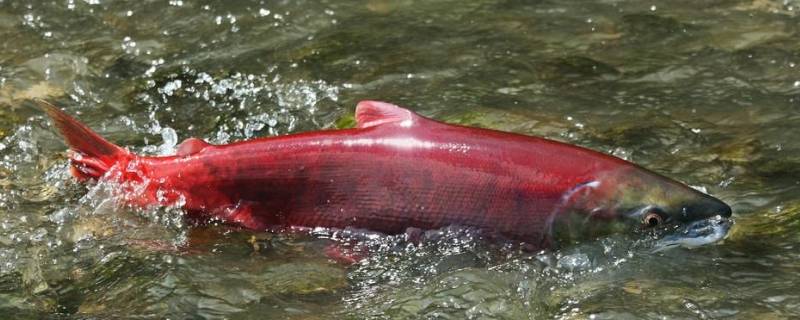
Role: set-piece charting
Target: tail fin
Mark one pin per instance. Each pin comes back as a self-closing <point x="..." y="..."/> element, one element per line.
<point x="93" y="155"/>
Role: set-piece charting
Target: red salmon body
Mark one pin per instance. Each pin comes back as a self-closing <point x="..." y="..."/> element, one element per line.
<point x="396" y="170"/>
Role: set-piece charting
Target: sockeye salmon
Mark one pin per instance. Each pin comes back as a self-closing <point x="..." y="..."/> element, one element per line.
<point x="398" y="170"/>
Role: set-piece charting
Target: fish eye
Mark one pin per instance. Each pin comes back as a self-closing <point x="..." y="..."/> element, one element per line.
<point x="652" y="219"/>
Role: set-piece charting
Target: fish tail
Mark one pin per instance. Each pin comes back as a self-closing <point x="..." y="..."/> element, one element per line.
<point x="92" y="155"/>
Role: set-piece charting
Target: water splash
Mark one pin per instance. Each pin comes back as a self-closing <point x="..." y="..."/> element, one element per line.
<point x="253" y="105"/>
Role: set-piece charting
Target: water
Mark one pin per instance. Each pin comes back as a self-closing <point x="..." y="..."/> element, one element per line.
<point x="705" y="92"/>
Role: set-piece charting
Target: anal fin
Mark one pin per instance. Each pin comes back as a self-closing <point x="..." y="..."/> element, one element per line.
<point x="244" y="214"/>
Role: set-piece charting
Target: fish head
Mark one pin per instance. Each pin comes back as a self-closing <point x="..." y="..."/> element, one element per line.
<point x="651" y="200"/>
<point x="635" y="200"/>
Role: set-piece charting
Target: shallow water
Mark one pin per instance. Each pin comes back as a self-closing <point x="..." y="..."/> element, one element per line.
<point x="707" y="92"/>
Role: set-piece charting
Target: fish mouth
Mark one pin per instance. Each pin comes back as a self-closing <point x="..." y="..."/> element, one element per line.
<point x="696" y="234"/>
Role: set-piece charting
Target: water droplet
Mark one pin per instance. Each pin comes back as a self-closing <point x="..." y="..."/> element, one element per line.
<point x="170" y="140"/>
<point x="38" y="235"/>
<point x="170" y="87"/>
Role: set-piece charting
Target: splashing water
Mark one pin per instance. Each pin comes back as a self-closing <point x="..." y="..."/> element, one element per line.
<point x="705" y="93"/>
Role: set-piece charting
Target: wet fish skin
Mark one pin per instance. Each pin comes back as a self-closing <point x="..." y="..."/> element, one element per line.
<point x="396" y="170"/>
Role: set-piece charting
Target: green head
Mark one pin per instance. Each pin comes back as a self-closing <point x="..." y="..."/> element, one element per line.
<point x="633" y="199"/>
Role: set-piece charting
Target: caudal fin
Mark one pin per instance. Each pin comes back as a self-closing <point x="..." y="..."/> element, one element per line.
<point x="93" y="155"/>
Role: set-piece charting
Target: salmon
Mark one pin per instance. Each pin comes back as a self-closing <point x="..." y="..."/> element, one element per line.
<point x="396" y="170"/>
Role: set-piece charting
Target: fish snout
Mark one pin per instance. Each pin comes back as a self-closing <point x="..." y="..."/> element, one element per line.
<point x="706" y="207"/>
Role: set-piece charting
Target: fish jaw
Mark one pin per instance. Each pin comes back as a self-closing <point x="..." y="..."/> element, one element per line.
<point x="696" y="234"/>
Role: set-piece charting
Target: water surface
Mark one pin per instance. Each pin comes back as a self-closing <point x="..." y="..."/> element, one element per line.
<point x="707" y="92"/>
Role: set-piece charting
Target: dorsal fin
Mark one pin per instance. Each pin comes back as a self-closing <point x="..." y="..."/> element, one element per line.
<point x="191" y="146"/>
<point x="373" y="113"/>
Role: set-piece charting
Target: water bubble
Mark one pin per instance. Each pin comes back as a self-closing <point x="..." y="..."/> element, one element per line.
<point x="31" y="20"/>
<point x="574" y="262"/>
<point x="170" y="140"/>
<point x="38" y="235"/>
<point x="170" y="87"/>
<point x="129" y="46"/>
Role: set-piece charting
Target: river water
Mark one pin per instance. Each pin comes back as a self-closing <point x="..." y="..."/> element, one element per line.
<point x="706" y="92"/>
